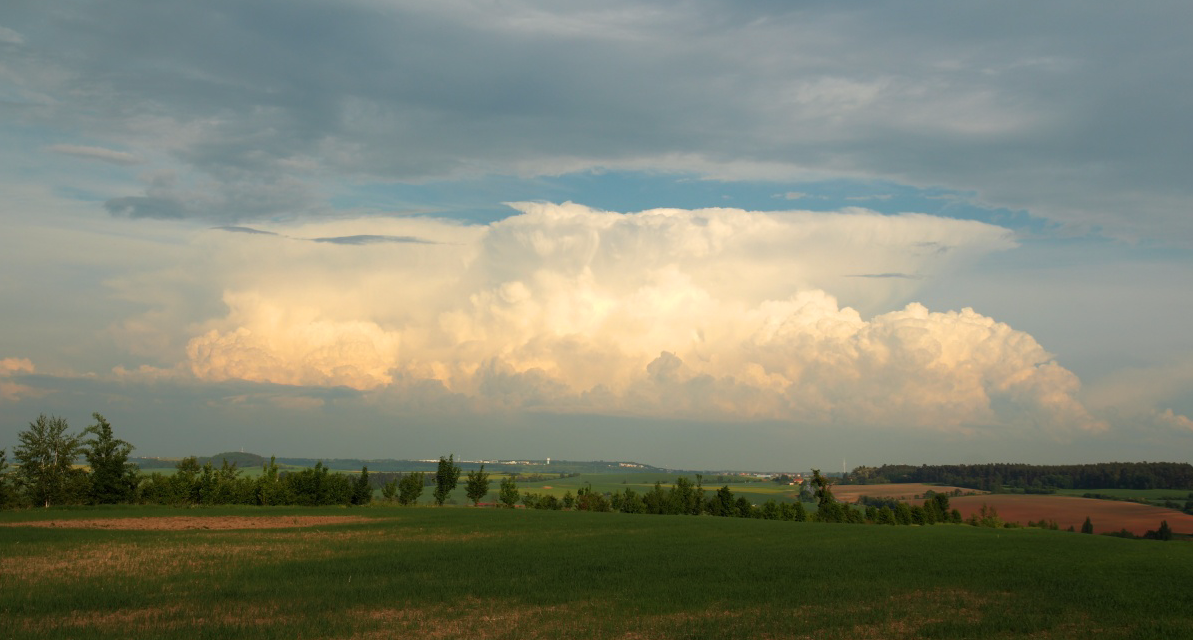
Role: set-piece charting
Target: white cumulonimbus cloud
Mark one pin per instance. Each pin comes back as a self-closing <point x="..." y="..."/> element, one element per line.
<point x="692" y="313"/>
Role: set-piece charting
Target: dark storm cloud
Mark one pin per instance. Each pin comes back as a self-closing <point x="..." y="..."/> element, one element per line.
<point x="1071" y="110"/>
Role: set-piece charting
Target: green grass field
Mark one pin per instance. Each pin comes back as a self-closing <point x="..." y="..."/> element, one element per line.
<point x="756" y="492"/>
<point x="489" y="573"/>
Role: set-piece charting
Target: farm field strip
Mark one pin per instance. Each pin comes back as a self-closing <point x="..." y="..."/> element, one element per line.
<point x="1105" y="515"/>
<point x="489" y="573"/>
<point x="905" y="492"/>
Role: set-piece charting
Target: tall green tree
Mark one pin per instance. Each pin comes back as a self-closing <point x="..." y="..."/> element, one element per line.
<point x="827" y="508"/>
<point x="113" y="477"/>
<point x="362" y="491"/>
<point x="722" y="503"/>
<point x="390" y="490"/>
<point x="5" y="493"/>
<point x="410" y="488"/>
<point x="509" y="493"/>
<point x="47" y="455"/>
<point x="477" y="485"/>
<point x="1087" y="526"/>
<point x="446" y="478"/>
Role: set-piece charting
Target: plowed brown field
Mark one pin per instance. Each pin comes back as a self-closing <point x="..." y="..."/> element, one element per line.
<point x="906" y="491"/>
<point x="1105" y="515"/>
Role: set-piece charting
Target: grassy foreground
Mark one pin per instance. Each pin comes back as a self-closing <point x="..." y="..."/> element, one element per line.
<point x="487" y="573"/>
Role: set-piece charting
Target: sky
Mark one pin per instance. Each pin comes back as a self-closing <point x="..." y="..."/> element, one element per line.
<point x="699" y="234"/>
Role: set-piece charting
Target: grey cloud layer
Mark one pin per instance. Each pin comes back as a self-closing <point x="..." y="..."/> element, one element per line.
<point x="1071" y="110"/>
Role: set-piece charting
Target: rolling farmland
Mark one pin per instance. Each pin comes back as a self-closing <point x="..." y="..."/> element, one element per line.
<point x="905" y="492"/>
<point x="490" y="573"/>
<point x="1105" y="515"/>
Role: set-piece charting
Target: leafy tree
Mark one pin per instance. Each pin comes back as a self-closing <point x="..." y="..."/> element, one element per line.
<point x="589" y="500"/>
<point x="185" y="481"/>
<point x="477" y="485"/>
<point x="389" y="490"/>
<point x="113" y="477"/>
<point x="317" y="486"/>
<point x="630" y="502"/>
<point x="987" y="516"/>
<point x="410" y="488"/>
<point x="362" y="491"/>
<point x="885" y="516"/>
<point x="569" y="500"/>
<point x="548" y="502"/>
<point x="270" y="489"/>
<point x="1165" y="532"/>
<point x="743" y="508"/>
<point x="821" y="490"/>
<point x="919" y="515"/>
<point x="508" y="493"/>
<point x="801" y="512"/>
<point x="1087" y="526"/>
<point x="5" y="494"/>
<point x="446" y="478"/>
<point x="827" y="508"/>
<point x="792" y="512"/>
<point x="687" y="498"/>
<point x="770" y="510"/>
<point x="47" y="455"/>
<point x="938" y="508"/>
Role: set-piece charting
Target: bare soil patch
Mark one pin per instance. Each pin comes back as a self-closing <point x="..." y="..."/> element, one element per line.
<point x="1105" y="515"/>
<point x="178" y="523"/>
<point x="904" y="491"/>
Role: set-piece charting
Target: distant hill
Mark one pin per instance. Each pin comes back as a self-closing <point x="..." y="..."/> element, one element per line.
<point x="245" y="460"/>
<point x="241" y="459"/>
<point x="496" y="466"/>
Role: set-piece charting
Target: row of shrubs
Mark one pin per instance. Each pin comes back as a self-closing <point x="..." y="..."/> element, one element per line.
<point x="686" y="498"/>
<point x="192" y="484"/>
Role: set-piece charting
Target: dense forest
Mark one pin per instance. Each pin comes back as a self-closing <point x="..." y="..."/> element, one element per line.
<point x="1034" y="478"/>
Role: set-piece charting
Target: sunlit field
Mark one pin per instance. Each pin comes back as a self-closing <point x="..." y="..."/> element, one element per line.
<point x="384" y="572"/>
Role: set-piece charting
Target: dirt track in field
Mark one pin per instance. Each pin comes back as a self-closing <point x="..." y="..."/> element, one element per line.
<point x="178" y="523"/>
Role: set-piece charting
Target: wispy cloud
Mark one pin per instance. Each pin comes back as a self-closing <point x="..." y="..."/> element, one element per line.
<point x="372" y="239"/>
<point x="101" y="154"/>
<point x="249" y="230"/>
<point x="350" y="240"/>
<point x="908" y="276"/>
<point x="8" y="36"/>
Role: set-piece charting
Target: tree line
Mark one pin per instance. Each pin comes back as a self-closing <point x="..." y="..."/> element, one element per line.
<point x="1034" y="478"/>
<point x="47" y="474"/>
